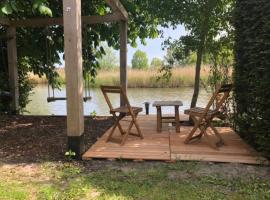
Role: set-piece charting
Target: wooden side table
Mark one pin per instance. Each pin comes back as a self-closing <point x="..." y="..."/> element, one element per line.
<point x="175" y="118"/>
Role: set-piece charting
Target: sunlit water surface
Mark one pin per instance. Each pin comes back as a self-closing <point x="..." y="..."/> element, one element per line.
<point x="137" y="97"/>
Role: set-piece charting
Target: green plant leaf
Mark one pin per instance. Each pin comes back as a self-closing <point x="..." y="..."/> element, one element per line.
<point x="73" y="154"/>
<point x="101" y="11"/>
<point x="14" y="6"/>
<point x="7" y="9"/>
<point x="45" y="10"/>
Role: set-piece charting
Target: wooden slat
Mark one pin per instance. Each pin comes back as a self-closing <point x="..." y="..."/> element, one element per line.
<point x="169" y="146"/>
<point x="41" y="22"/>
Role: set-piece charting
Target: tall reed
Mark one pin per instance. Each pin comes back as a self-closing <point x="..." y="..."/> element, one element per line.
<point x="181" y="77"/>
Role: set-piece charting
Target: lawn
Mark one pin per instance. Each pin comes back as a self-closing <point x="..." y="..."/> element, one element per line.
<point x="131" y="180"/>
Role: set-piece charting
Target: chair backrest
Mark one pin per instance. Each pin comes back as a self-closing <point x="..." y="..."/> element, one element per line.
<point x="116" y="90"/>
<point x="221" y="94"/>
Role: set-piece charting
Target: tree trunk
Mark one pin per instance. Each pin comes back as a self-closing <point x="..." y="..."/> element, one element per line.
<point x="197" y="75"/>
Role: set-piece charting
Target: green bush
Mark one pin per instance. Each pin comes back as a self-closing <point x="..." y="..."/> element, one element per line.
<point x="252" y="72"/>
<point x="25" y="86"/>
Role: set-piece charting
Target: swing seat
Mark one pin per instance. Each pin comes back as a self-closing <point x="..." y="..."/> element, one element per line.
<point x="53" y="99"/>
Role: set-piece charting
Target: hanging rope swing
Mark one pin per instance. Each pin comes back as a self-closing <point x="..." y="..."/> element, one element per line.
<point x="51" y="81"/>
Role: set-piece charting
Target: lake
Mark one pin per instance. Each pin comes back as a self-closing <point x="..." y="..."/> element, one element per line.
<point x="137" y="97"/>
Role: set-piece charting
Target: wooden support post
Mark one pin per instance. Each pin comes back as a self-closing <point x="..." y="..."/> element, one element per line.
<point x="123" y="57"/>
<point x="13" y="68"/>
<point x="74" y="80"/>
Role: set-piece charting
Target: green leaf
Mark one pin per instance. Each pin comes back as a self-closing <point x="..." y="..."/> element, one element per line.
<point x="14" y="6"/>
<point x="101" y="11"/>
<point x="45" y="10"/>
<point x="7" y="9"/>
<point x="73" y="154"/>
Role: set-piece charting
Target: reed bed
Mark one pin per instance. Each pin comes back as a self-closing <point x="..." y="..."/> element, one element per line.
<point x="181" y="77"/>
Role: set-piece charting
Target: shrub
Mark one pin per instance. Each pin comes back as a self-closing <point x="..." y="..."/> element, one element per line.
<point x="252" y="72"/>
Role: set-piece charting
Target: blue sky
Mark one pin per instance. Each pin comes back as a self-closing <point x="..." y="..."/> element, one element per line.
<point x="154" y="46"/>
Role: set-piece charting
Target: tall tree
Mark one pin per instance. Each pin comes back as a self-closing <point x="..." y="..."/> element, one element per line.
<point x="139" y="60"/>
<point x="109" y="60"/>
<point x="205" y="21"/>
<point x="156" y="62"/>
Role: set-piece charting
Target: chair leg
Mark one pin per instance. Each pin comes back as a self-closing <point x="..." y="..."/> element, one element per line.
<point x="127" y="133"/>
<point x="134" y="118"/>
<point x="190" y="135"/>
<point x="221" y="141"/>
<point x="203" y="128"/>
<point x="119" y="125"/>
<point x="159" y="119"/>
<point x="116" y="124"/>
<point x="177" y="119"/>
<point x="214" y="146"/>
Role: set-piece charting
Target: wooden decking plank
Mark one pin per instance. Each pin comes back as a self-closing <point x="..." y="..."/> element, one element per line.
<point x="169" y="146"/>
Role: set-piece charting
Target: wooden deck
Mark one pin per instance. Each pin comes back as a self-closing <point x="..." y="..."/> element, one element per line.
<point x="169" y="146"/>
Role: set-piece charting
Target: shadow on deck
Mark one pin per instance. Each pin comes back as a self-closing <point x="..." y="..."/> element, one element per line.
<point x="169" y="146"/>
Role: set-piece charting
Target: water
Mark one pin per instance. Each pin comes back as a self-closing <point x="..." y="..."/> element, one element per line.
<point x="137" y="96"/>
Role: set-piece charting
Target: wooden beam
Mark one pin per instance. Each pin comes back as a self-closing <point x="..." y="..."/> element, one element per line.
<point x="13" y="68"/>
<point x="74" y="79"/>
<point x="4" y="21"/>
<point x="117" y="7"/>
<point x="41" y="22"/>
<point x="123" y="57"/>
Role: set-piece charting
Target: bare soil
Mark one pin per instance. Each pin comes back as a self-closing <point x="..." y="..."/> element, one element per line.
<point x="40" y="138"/>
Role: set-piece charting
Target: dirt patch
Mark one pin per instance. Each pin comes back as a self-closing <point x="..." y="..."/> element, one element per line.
<point x="227" y="170"/>
<point x="35" y="139"/>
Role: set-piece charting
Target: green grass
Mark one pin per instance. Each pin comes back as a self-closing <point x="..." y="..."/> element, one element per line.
<point x="13" y="190"/>
<point x="122" y="180"/>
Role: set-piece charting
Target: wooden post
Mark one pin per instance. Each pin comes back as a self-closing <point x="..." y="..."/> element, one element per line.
<point x="13" y="68"/>
<point x="74" y="79"/>
<point x="123" y="57"/>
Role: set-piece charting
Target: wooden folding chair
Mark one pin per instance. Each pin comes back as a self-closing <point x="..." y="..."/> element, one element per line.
<point x="202" y="117"/>
<point x="126" y="110"/>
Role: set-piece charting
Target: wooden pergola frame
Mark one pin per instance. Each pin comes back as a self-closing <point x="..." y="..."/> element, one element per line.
<point x="72" y="22"/>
